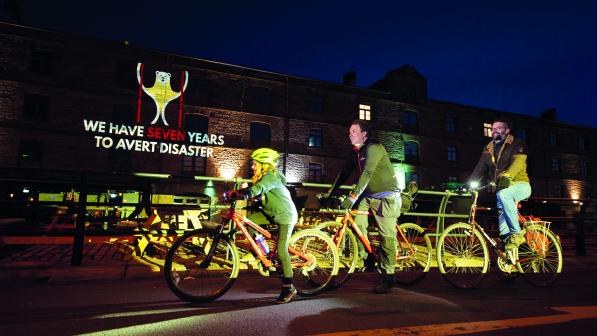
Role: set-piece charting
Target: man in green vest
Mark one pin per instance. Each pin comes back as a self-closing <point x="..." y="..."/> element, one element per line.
<point x="376" y="191"/>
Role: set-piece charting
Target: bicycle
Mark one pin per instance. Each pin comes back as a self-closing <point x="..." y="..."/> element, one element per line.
<point x="463" y="255"/>
<point x="413" y="257"/>
<point x="203" y="264"/>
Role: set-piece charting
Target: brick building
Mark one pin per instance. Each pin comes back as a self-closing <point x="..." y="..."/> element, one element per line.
<point x="69" y="102"/>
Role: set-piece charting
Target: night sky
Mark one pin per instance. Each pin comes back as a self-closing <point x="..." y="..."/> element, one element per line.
<point x="520" y="56"/>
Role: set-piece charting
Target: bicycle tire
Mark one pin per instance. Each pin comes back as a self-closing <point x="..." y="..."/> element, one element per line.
<point x="462" y="259"/>
<point x="192" y="283"/>
<point x="540" y="256"/>
<point x="411" y="267"/>
<point x="348" y="251"/>
<point x="313" y="276"/>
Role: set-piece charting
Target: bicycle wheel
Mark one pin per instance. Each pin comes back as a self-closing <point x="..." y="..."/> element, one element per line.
<point x="314" y="260"/>
<point x="462" y="255"/>
<point x="413" y="257"/>
<point x="347" y="249"/>
<point x="540" y="257"/>
<point x="188" y="273"/>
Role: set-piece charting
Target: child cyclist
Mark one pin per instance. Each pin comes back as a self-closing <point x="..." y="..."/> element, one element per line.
<point x="277" y="206"/>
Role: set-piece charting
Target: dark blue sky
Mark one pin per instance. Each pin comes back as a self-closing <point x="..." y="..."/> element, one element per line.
<point x="520" y="56"/>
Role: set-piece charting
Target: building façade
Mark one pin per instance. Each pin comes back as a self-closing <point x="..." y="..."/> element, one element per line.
<point x="76" y="103"/>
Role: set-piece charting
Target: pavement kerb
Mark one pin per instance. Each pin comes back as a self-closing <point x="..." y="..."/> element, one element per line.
<point x="133" y="269"/>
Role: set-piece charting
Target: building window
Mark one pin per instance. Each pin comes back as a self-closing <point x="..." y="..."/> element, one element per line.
<point x="558" y="191"/>
<point x="409" y="119"/>
<point x="315" y="172"/>
<point x="553" y="139"/>
<point x="452" y="178"/>
<point x="315" y="105"/>
<point x="315" y="138"/>
<point x="584" y="169"/>
<point x="200" y="92"/>
<point x="123" y="114"/>
<point x="582" y="143"/>
<point x="36" y="107"/>
<point x="412" y="177"/>
<point x="364" y="112"/>
<point x="126" y="75"/>
<point x="450" y="125"/>
<point x="196" y="123"/>
<point x="119" y="160"/>
<point x="259" y="100"/>
<point x="194" y="164"/>
<point x="487" y="130"/>
<point x="555" y="165"/>
<point x="452" y="153"/>
<point x="260" y="135"/>
<point x="521" y="134"/>
<point x="30" y="152"/>
<point x="411" y="151"/>
<point x="41" y="62"/>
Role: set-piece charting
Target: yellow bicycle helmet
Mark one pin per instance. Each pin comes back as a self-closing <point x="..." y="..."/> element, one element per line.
<point x="266" y="155"/>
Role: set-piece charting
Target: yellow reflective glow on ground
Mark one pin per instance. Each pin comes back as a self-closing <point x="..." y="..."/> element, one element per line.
<point x="569" y="314"/>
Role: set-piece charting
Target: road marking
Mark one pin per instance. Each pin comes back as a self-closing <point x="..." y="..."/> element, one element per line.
<point x="570" y="314"/>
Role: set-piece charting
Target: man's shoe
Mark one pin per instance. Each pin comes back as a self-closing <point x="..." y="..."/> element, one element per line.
<point x="511" y="252"/>
<point x="360" y="264"/>
<point x="517" y="238"/>
<point x="385" y="285"/>
<point x="286" y="294"/>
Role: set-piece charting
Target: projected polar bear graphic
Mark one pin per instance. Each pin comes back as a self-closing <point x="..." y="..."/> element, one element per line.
<point x="161" y="92"/>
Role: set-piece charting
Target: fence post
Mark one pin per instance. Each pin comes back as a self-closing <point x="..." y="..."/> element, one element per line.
<point x="77" y="255"/>
<point x="580" y="247"/>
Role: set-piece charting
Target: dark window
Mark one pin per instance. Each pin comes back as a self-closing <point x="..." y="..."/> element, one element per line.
<point x="315" y="105"/>
<point x="30" y="152"/>
<point x="582" y="143"/>
<point x="119" y="160"/>
<point x="450" y="125"/>
<point x="452" y="153"/>
<point x="36" y="107"/>
<point x="196" y="123"/>
<point x="558" y="191"/>
<point x="411" y="151"/>
<point x="555" y="165"/>
<point x="553" y="139"/>
<point x="315" y="138"/>
<point x="584" y="169"/>
<point x="260" y="135"/>
<point x="126" y="75"/>
<point x="409" y="119"/>
<point x="259" y="100"/>
<point x="452" y="178"/>
<point x="315" y="172"/>
<point x="41" y="62"/>
<point x="200" y="91"/>
<point x="194" y="164"/>
<point x="412" y="177"/>
<point x="521" y="134"/>
<point x="123" y="114"/>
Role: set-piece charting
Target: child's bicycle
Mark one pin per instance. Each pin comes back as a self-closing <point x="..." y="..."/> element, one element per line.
<point x="203" y="264"/>
<point x="413" y="257"/>
<point x="463" y="256"/>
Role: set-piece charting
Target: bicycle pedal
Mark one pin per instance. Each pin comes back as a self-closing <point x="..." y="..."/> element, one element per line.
<point x="511" y="258"/>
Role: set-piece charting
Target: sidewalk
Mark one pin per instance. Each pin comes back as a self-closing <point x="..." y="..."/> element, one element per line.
<point x="114" y="261"/>
<point x="101" y="261"/>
